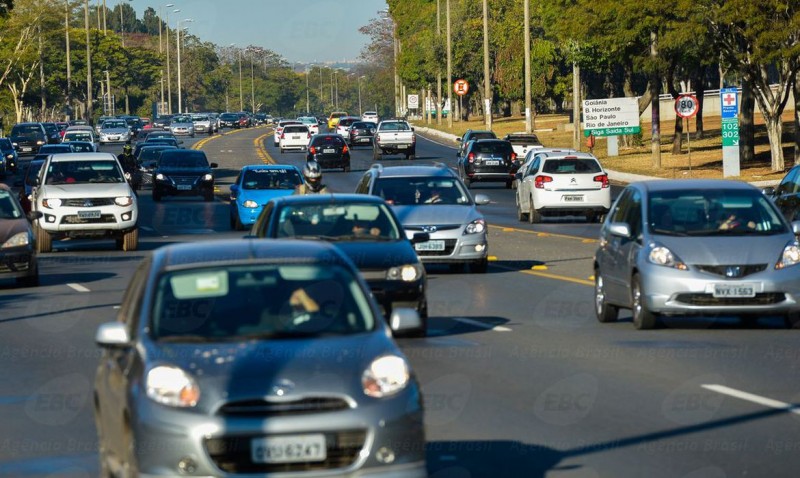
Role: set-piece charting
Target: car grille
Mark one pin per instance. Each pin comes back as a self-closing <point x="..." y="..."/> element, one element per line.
<point x="449" y="246"/>
<point x="90" y="202"/>
<point x="232" y="454"/>
<point x="765" y="298"/>
<point x="181" y="180"/>
<point x="444" y="227"/>
<point x="103" y="219"/>
<point x="733" y="271"/>
<point x="265" y="408"/>
<point x="15" y="263"/>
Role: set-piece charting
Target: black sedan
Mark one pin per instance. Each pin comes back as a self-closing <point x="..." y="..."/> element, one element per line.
<point x="27" y="138"/>
<point x="363" y="227"/>
<point x="330" y="151"/>
<point x="183" y="172"/>
<point x="488" y="160"/>
<point x="361" y="132"/>
<point x="17" y="254"/>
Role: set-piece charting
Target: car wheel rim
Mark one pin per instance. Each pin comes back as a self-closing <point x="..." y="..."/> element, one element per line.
<point x="637" y="302"/>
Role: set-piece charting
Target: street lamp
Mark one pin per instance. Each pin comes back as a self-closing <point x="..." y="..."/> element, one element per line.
<point x="88" y="66"/>
<point x="161" y="51"/>
<point x="359" y="94"/>
<point x="122" y="24"/>
<point x="169" y="75"/>
<point x="178" y="40"/>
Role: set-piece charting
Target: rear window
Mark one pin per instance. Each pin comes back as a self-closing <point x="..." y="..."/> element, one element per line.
<point x="571" y="166"/>
<point x="483" y="135"/>
<point x="182" y="160"/>
<point x="346" y="121"/>
<point x="498" y="147"/>
<point x="327" y="140"/>
<point x="395" y="126"/>
<point x="523" y="139"/>
<point x="296" y="129"/>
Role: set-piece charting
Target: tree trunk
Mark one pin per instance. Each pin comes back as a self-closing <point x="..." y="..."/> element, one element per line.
<point x="677" y="138"/>
<point x="655" y="85"/>
<point x="700" y="91"/>
<point x="796" y="92"/>
<point x="775" y="132"/>
<point x="747" y="129"/>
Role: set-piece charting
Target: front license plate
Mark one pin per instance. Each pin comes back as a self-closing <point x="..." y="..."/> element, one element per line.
<point x="288" y="449"/>
<point x="184" y="187"/>
<point x="27" y="149"/>
<point x="364" y="140"/>
<point x="734" y="290"/>
<point x="89" y="214"/>
<point x="328" y="151"/>
<point x="436" y="245"/>
<point x="491" y="162"/>
<point x="573" y="198"/>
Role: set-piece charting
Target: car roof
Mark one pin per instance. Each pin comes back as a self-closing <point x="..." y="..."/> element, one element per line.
<point x="692" y="184"/>
<point x="269" y="166"/>
<point x="238" y="251"/>
<point x="553" y="155"/>
<point x="414" y="171"/>
<point x="82" y="157"/>
<point x="328" y="199"/>
<point x="80" y="127"/>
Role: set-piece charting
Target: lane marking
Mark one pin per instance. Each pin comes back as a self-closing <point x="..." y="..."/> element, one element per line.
<point x="585" y="240"/>
<point x="496" y="328"/>
<point x="261" y="151"/>
<point x="77" y="287"/>
<point x="753" y="398"/>
<point x="548" y="275"/>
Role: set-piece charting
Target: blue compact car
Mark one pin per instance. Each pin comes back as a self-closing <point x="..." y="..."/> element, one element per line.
<point x="255" y="185"/>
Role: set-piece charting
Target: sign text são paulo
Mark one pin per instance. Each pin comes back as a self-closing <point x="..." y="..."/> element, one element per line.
<point x="611" y="117"/>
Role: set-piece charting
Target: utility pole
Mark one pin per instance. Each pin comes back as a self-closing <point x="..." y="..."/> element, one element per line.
<point x="252" y="85"/>
<point x="449" y="71"/>
<point x="108" y="92"/>
<point x="88" y="66"/>
<point x="438" y="68"/>
<point x="105" y="27"/>
<point x="308" y="95"/>
<point x="169" y="74"/>
<point x="528" y="118"/>
<point x="241" y="94"/>
<point x="487" y="83"/>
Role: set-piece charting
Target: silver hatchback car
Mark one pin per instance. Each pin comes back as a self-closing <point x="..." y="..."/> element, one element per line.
<point x="254" y="357"/>
<point x="696" y="247"/>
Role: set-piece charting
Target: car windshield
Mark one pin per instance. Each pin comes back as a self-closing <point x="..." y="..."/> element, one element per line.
<point x="571" y="166"/>
<point x="114" y="124"/>
<point x="271" y="178"/>
<point x="81" y="147"/>
<point x="259" y="302"/>
<point x="77" y="136"/>
<point x="406" y="191"/>
<point x="26" y="130"/>
<point x="338" y="221"/>
<point x="181" y="119"/>
<point x="177" y="161"/>
<point x="229" y="116"/>
<point x="395" y="126"/>
<point x="714" y="212"/>
<point x="9" y="209"/>
<point x="200" y="118"/>
<point x="82" y="172"/>
<point x="151" y="154"/>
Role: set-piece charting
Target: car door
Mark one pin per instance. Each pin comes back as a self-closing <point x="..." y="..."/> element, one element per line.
<point x="525" y="189"/>
<point x="787" y="194"/>
<point x="623" y="251"/>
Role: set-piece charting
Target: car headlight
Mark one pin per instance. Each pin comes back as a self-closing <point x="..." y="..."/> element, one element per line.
<point x="172" y="386"/>
<point x="475" y="227"/>
<point x="160" y="177"/>
<point x="52" y="203"/>
<point x="250" y="204"/>
<point x="16" y="145"/>
<point x="789" y="257"/>
<point x="662" y="256"/>
<point x="405" y="273"/>
<point x="385" y="376"/>
<point x="208" y="177"/>
<point x="18" y="239"/>
<point x="9" y="156"/>
<point x="40" y="142"/>
<point x="123" y="201"/>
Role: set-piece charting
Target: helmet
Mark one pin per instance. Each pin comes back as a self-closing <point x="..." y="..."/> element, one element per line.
<point x="313" y="174"/>
<point x="127" y="148"/>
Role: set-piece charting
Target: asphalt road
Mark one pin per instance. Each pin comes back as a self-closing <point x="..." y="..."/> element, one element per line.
<point x="519" y="378"/>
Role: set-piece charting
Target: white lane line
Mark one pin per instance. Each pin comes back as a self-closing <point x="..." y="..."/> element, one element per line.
<point x="496" y="328"/>
<point x="751" y="397"/>
<point x="78" y="287"/>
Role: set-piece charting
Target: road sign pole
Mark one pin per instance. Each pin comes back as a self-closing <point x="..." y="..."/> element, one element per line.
<point x="689" y="147"/>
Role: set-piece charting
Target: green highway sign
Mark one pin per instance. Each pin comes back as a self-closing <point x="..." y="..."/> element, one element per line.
<point x="730" y="132"/>
<point x="600" y="132"/>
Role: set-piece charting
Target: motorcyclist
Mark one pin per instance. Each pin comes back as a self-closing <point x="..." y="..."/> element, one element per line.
<point x="129" y="166"/>
<point x="312" y="180"/>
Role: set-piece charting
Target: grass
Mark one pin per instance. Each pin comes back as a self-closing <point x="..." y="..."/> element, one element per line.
<point x="704" y="160"/>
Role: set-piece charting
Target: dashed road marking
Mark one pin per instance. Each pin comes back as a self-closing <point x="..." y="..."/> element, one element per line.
<point x="483" y="325"/>
<point x="77" y="287"/>
<point x="753" y="398"/>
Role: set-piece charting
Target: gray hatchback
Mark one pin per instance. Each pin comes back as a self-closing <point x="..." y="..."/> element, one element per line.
<point x="696" y="247"/>
<point x="246" y="357"/>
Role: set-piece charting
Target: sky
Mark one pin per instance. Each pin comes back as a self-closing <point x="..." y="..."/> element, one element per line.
<point x="306" y="31"/>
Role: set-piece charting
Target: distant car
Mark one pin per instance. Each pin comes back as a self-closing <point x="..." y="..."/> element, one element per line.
<point x="228" y="120"/>
<point x="161" y="122"/>
<point x="114" y="131"/>
<point x="245" y="120"/>
<point x="255" y="185"/>
<point x="523" y="142"/>
<point x="471" y="135"/>
<point x="361" y="132"/>
<point x="279" y="129"/>
<point x="183" y="172"/>
<point x="202" y="124"/>
<point x="156" y="134"/>
<point x="432" y="199"/>
<point x="156" y="141"/>
<point x="182" y="126"/>
<point x="365" y="229"/>
<point x="371" y="116"/>
<point x="695" y="248"/>
<point x="81" y="147"/>
<point x="330" y="151"/>
<point x="333" y="119"/>
<point x="27" y="138"/>
<point x="256" y="358"/>
<point x="488" y="160"/>
<point x="786" y="194"/>
<point x="343" y="125"/>
<point x="53" y="133"/>
<point x="8" y="157"/>
<point x="294" y="137"/>
<point x="394" y="137"/>
<point x="311" y="122"/>
<point x="563" y="184"/>
<point x="18" y="253"/>
<point x="82" y="133"/>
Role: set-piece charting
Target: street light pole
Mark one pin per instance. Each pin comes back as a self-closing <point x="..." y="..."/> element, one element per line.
<point x="88" y="66"/>
<point x="178" y="40"/>
<point x="161" y="51"/>
<point x="241" y="93"/>
<point x="69" y="67"/>
<point x="487" y="84"/>
<point x="169" y="74"/>
<point x="527" y="40"/>
<point x="252" y="84"/>
<point x="308" y="96"/>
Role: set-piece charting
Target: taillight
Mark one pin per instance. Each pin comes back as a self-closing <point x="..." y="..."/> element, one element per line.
<point x="413" y="138"/>
<point x="540" y="180"/>
<point x="283" y="136"/>
<point x="312" y="150"/>
<point x="344" y="149"/>
<point x="471" y="157"/>
<point x="602" y="178"/>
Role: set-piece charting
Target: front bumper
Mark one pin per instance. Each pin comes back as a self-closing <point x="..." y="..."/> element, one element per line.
<point x="72" y="221"/>
<point x="114" y="138"/>
<point x="169" y="187"/>
<point x="17" y="262"/>
<point x="220" y="445"/>
<point x="458" y="247"/>
<point x="247" y="216"/>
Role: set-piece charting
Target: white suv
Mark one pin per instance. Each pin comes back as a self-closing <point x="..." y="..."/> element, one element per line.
<point x="294" y="136"/>
<point x="558" y="183"/>
<point x="84" y="195"/>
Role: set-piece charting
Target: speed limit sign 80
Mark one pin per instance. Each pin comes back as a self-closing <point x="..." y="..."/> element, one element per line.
<point x="686" y="106"/>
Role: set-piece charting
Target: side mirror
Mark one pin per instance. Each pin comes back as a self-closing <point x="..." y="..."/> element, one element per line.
<point x="112" y="335"/>
<point x="768" y="191"/>
<point x="620" y="229"/>
<point x="796" y="228"/>
<point x="34" y="215"/>
<point x="404" y="319"/>
<point x="481" y="199"/>
<point x="213" y="165"/>
<point x="420" y="237"/>
<point x="234" y="188"/>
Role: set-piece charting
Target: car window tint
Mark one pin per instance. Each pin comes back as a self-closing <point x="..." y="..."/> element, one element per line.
<point x="8" y="206"/>
<point x="328" y="140"/>
<point x="269" y="178"/>
<point x="571" y="166"/>
<point x="491" y="147"/>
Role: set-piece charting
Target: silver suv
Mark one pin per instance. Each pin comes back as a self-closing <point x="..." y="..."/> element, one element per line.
<point x="432" y="199"/>
<point x="84" y="195"/>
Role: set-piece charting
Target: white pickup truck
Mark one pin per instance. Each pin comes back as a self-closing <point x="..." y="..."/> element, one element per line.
<point x="394" y="137"/>
<point x="523" y="142"/>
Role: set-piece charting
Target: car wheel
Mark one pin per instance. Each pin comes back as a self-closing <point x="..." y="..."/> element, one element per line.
<point x="130" y="241"/>
<point x="605" y="312"/>
<point x="29" y="281"/>
<point x="44" y="241"/>
<point x="643" y="319"/>
<point x="521" y="216"/>
<point x="479" y="267"/>
<point x="208" y="196"/>
<point x="792" y="320"/>
<point x="509" y="184"/>
<point x="534" y="216"/>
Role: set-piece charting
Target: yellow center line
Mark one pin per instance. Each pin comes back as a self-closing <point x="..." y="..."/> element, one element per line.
<point x="261" y="151"/>
<point x="544" y="234"/>
<point x="548" y="275"/>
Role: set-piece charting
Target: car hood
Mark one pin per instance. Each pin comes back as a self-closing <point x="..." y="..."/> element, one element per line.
<point x="249" y="370"/>
<point x="429" y="215"/>
<point x="726" y="250"/>
<point x="86" y="190"/>
<point x="262" y="196"/>
<point x="114" y="131"/>
<point x="9" y="227"/>
<point x="368" y="255"/>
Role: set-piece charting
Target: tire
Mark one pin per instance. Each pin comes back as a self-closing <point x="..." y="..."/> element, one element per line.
<point x="479" y="267"/>
<point x="643" y="319"/>
<point x="236" y="224"/>
<point x="534" y="216"/>
<point x="605" y="312"/>
<point x="29" y="281"/>
<point x="521" y="216"/>
<point x="209" y="196"/>
<point x="44" y="241"/>
<point x="509" y="184"/>
<point x="411" y="155"/>
<point x="792" y="320"/>
<point x="130" y="241"/>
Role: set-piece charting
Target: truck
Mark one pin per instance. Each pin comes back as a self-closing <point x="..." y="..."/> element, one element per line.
<point x="523" y="142"/>
<point x="394" y="137"/>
